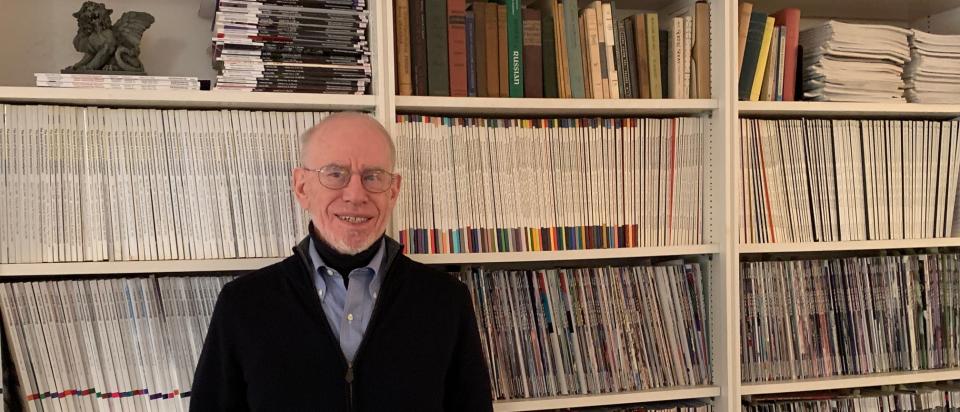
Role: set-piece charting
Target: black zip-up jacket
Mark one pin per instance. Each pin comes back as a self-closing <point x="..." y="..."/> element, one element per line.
<point x="270" y="348"/>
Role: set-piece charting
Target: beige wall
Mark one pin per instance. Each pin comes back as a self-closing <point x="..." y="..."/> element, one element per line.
<point x="178" y="43"/>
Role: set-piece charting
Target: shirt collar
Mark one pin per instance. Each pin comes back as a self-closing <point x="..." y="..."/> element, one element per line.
<point x="374" y="267"/>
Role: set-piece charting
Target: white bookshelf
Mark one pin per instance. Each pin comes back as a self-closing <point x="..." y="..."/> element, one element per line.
<point x="249" y="264"/>
<point x="563" y="255"/>
<point x="24" y="18"/>
<point x="504" y="106"/>
<point x="197" y="99"/>
<point x="653" y="395"/>
<point x="845" y="382"/>
<point x="839" y="109"/>
<point x="759" y="248"/>
<point x="148" y="266"/>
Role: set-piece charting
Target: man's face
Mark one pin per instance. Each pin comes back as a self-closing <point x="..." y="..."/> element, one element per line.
<point x="349" y="219"/>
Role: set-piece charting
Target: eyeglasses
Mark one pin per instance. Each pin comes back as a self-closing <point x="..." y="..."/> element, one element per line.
<point x="335" y="177"/>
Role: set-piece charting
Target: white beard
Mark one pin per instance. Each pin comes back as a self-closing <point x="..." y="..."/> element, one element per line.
<point x="342" y="247"/>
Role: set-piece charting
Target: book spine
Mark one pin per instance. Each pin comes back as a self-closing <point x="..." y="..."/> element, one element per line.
<point x="548" y="42"/>
<point x="701" y="51"/>
<point x="762" y="60"/>
<point x="418" y="47"/>
<point x="789" y="18"/>
<point x="515" y="47"/>
<point x="628" y="69"/>
<point x="532" y="52"/>
<point x="751" y="53"/>
<point x="675" y="88"/>
<point x="609" y="34"/>
<point x="457" y="49"/>
<point x="438" y="75"/>
<point x="493" y="49"/>
<point x="503" y="59"/>
<point x="653" y="56"/>
<point x="574" y="51"/>
<point x="470" y="29"/>
<point x="639" y="27"/>
<point x="402" y="36"/>
<point x="480" y="47"/>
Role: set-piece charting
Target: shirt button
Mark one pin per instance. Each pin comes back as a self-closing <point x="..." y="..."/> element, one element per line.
<point x="349" y="317"/>
<point x="320" y="291"/>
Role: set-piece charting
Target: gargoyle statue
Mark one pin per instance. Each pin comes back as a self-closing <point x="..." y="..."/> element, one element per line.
<point x="108" y="47"/>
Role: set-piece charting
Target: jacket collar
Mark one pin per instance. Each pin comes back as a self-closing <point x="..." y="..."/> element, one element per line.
<point x="391" y="250"/>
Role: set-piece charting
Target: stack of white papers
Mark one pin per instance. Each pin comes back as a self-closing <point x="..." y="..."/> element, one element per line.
<point x="854" y="62"/>
<point x="118" y="81"/>
<point x="933" y="74"/>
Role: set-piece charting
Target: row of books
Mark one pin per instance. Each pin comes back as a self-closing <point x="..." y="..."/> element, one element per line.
<point x="502" y="185"/>
<point x="809" y="180"/>
<point x="552" y="48"/>
<point x="927" y="397"/>
<point x="832" y="317"/>
<point x="93" y="184"/>
<point x="591" y="330"/>
<point x="317" y="46"/>
<point x="768" y="54"/>
<point x="686" y="405"/>
<point x="119" y="344"/>
<point x="115" y="81"/>
<point x="839" y="61"/>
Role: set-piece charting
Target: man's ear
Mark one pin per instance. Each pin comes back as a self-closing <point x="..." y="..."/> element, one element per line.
<point x="395" y="188"/>
<point x="298" y="184"/>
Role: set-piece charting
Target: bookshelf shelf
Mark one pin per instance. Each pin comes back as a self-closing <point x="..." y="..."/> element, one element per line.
<point x="758" y="248"/>
<point x="149" y="266"/>
<point x="607" y="399"/>
<point x="215" y="265"/>
<point x="894" y="378"/>
<point x="563" y="255"/>
<point x="550" y="107"/>
<point x="196" y="99"/>
<point x="842" y="109"/>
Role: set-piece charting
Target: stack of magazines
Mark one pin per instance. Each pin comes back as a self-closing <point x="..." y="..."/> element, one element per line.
<point x="118" y="81"/>
<point x="316" y="46"/>
<point x="854" y="62"/>
<point x="933" y="74"/>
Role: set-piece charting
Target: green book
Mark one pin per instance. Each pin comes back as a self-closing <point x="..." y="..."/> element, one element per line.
<point x="571" y="30"/>
<point x="515" y="47"/>
<point x="438" y="69"/>
<point x="550" y="86"/>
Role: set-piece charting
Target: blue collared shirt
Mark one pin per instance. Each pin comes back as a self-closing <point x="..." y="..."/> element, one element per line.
<point x="348" y="310"/>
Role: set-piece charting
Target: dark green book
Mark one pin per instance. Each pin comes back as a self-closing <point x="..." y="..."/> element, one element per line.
<point x="751" y="53"/>
<point x="438" y="69"/>
<point x="548" y="42"/>
<point x="515" y="47"/>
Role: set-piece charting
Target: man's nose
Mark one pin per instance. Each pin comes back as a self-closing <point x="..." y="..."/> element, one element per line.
<point x="354" y="191"/>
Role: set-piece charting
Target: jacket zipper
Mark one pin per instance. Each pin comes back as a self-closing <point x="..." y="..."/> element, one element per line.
<point x="349" y="377"/>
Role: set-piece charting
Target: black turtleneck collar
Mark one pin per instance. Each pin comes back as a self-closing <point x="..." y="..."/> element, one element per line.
<point x="341" y="262"/>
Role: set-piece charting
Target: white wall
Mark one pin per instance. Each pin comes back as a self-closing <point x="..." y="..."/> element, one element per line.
<point x="947" y="22"/>
<point x="178" y="43"/>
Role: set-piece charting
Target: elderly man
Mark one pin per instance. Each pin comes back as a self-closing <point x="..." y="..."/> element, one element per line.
<point x="347" y="323"/>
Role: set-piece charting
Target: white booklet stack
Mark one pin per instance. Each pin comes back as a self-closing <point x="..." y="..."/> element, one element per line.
<point x="106" y="81"/>
<point x="933" y="74"/>
<point x="854" y="62"/>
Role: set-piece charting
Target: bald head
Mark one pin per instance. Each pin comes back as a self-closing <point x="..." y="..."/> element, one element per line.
<point x="347" y="127"/>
